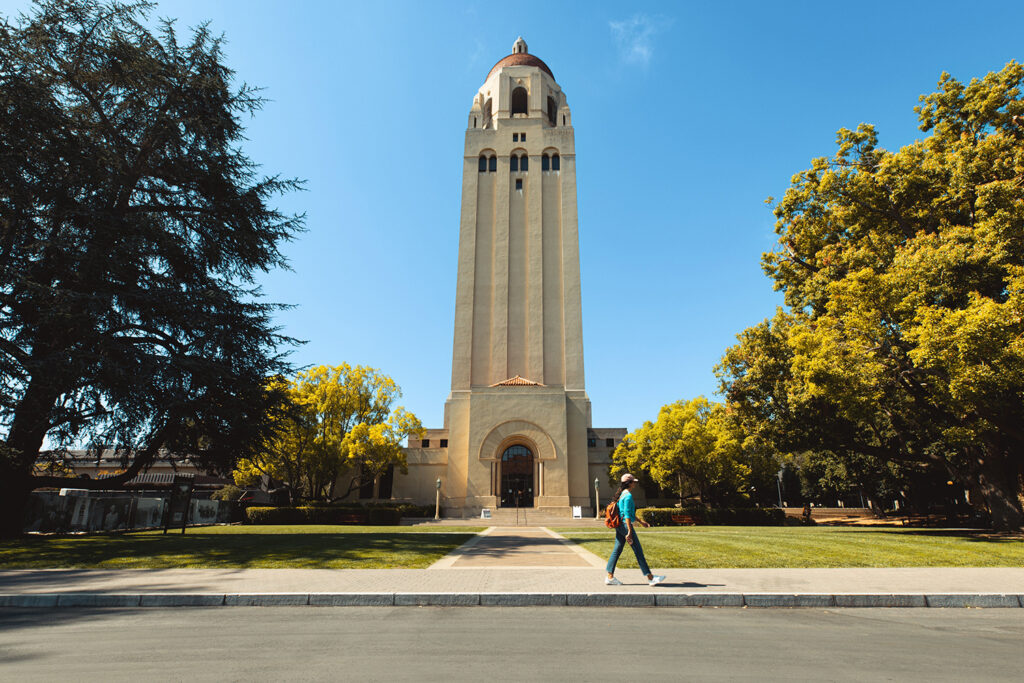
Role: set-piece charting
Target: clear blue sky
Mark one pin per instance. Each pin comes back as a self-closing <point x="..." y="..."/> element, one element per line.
<point x="687" y="117"/>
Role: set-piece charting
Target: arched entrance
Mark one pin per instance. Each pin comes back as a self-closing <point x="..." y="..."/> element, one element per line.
<point x="517" y="477"/>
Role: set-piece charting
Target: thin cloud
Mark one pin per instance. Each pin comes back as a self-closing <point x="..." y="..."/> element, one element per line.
<point x="634" y="37"/>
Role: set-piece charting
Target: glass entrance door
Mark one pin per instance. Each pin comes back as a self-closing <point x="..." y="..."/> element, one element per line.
<point x="517" y="477"/>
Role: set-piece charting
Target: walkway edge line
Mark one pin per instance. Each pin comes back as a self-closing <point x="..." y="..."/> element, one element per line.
<point x="511" y="599"/>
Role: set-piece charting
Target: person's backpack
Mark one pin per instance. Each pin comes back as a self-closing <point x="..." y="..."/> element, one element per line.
<point x="611" y="515"/>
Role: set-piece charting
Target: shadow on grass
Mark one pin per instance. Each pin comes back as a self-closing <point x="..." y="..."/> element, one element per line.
<point x="273" y="549"/>
<point x="978" y="535"/>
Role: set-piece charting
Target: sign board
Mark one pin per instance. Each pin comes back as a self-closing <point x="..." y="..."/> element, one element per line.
<point x="577" y="512"/>
<point x="485" y="513"/>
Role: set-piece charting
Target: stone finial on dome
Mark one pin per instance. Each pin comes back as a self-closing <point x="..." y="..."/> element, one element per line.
<point x="519" y="47"/>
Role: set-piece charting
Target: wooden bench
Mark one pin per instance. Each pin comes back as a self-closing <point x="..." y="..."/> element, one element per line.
<point x="689" y="520"/>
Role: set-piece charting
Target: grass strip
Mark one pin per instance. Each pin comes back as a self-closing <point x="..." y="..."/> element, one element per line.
<point x="789" y="547"/>
<point x="238" y="547"/>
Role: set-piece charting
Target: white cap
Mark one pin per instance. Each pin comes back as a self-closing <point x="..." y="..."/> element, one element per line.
<point x="628" y="477"/>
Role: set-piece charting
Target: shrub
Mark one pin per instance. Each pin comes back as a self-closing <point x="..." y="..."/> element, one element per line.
<point x="228" y="492"/>
<point x="272" y="515"/>
<point x="384" y="515"/>
<point x="714" y="516"/>
<point x="310" y="514"/>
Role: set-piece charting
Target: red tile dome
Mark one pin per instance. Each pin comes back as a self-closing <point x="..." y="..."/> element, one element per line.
<point x="521" y="59"/>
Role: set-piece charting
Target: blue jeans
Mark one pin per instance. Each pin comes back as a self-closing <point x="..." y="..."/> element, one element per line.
<point x="620" y="542"/>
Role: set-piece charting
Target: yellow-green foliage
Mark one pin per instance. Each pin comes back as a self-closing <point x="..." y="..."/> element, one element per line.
<point x="693" y="445"/>
<point x="903" y="274"/>
<point x="339" y="421"/>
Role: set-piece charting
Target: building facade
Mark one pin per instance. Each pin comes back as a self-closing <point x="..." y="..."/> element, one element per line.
<point x="517" y="423"/>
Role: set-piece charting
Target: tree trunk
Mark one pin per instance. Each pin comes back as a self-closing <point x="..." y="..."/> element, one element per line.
<point x="14" y="491"/>
<point x="22" y="449"/>
<point x="999" y="481"/>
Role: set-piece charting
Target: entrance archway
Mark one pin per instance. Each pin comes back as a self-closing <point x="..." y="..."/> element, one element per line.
<point x="517" y="477"/>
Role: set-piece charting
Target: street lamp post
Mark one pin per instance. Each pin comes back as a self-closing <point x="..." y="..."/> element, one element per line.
<point x="437" y="501"/>
<point x="778" y="482"/>
<point x="597" y="498"/>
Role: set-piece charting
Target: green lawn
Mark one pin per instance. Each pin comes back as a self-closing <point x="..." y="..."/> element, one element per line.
<point x="232" y="547"/>
<point x="718" y="547"/>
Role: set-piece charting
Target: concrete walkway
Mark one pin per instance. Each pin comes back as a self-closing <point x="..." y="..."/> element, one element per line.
<point x="515" y="567"/>
<point x="518" y="547"/>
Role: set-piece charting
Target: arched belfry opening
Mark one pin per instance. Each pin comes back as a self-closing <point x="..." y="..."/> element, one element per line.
<point x="517" y="477"/>
<point x="519" y="100"/>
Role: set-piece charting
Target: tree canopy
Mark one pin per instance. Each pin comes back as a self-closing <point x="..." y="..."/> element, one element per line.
<point x="692" y="447"/>
<point x="339" y="423"/>
<point x="132" y="229"/>
<point x="902" y="338"/>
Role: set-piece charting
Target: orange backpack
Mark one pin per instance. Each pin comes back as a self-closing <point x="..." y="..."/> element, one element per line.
<point x="611" y="515"/>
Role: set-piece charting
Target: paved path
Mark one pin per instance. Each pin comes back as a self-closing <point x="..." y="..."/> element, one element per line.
<point x="518" y="547"/>
<point x="509" y="566"/>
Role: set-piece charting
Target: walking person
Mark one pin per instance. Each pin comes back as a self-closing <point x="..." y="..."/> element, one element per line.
<point x="625" y="534"/>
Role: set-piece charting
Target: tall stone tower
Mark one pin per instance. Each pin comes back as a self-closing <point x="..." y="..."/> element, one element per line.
<point x="517" y="418"/>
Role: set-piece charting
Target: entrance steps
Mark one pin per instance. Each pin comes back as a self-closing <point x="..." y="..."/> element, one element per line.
<point x="531" y="517"/>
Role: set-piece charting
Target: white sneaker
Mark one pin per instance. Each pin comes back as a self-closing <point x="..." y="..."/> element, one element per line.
<point x="611" y="581"/>
<point x="655" y="580"/>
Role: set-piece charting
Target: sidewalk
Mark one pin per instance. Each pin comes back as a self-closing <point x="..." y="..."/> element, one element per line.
<point x="515" y="567"/>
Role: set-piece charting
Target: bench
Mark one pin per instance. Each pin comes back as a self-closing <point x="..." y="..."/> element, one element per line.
<point x="684" y="519"/>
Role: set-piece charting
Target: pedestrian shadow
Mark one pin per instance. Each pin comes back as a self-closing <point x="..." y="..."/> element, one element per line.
<point x="690" y="584"/>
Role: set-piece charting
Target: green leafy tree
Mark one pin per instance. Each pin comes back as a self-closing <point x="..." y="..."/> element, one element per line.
<point x="339" y="424"/>
<point x="693" y="445"/>
<point x="903" y="275"/>
<point x="132" y="227"/>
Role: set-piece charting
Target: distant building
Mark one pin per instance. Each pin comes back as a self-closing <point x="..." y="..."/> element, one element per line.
<point x="517" y="424"/>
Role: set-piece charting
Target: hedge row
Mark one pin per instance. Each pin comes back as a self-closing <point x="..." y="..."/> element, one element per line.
<point x="335" y="514"/>
<point x="713" y="516"/>
<point x="321" y="515"/>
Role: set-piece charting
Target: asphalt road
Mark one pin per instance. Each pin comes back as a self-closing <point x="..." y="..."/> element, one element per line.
<point x="505" y="644"/>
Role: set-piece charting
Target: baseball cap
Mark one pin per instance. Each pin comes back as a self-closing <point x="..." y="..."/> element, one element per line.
<point x="627" y="478"/>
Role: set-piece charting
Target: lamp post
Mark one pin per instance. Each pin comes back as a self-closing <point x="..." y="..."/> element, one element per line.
<point x="437" y="501"/>
<point x="597" y="499"/>
<point x="778" y="482"/>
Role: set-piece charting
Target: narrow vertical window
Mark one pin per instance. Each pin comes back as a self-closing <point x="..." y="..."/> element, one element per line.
<point x="545" y="163"/>
<point x="474" y="122"/>
<point x="519" y="183"/>
<point x="524" y="163"/>
<point x="515" y="137"/>
<point x="555" y="163"/>
<point x="519" y="101"/>
<point x="513" y="163"/>
<point x="522" y="137"/>
<point x="563" y="119"/>
<point x="552" y="111"/>
<point x="483" y="163"/>
<point x="492" y="164"/>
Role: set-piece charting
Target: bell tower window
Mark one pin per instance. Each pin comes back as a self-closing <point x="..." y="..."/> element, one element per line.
<point x="492" y="164"/>
<point x="513" y="163"/>
<point x="545" y="163"/>
<point x="552" y="110"/>
<point x="555" y="163"/>
<point x="519" y="101"/>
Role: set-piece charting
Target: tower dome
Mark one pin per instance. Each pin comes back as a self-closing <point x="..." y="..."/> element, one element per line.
<point x="521" y="57"/>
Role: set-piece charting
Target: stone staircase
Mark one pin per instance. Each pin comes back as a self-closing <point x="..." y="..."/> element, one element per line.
<point x="531" y="517"/>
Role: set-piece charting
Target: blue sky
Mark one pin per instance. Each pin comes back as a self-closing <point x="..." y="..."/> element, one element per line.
<point x="687" y="116"/>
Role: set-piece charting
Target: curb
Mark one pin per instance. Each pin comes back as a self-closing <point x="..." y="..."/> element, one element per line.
<point x="652" y="599"/>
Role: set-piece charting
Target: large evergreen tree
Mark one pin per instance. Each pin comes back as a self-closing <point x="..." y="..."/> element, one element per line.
<point x="131" y="228"/>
